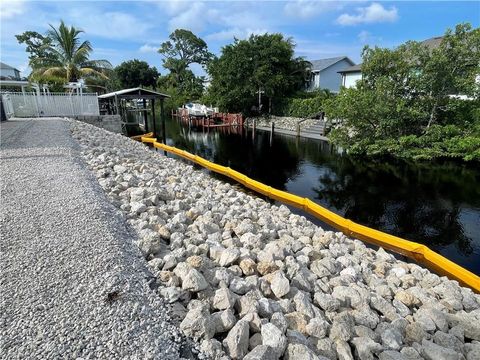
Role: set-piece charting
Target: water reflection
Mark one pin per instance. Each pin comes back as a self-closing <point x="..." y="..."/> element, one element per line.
<point x="435" y="204"/>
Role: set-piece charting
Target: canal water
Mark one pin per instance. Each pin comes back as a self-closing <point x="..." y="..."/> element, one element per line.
<point x="437" y="204"/>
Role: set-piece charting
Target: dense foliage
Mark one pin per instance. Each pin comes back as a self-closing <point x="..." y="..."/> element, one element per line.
<point x="183" y="49"/>
<point x="37" y="45"/>
<point x="60" y="54"/>
<point x="303" y="104"/>
<point x="134" y="73"/>
<point x="404" y="106"/>
<point x="262" y="62"/>
<point x="103" y="85"/>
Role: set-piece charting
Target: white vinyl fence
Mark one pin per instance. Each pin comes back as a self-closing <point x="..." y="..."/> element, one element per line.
<point x="57" y="104"/>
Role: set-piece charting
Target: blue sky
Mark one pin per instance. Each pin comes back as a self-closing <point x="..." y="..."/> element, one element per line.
<point x="124" y="30"/>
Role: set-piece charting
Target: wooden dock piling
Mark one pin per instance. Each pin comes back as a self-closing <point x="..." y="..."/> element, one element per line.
<point x="272" y="130"/>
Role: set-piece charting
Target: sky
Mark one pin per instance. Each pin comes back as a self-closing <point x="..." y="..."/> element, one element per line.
<point x="125" y="30"/>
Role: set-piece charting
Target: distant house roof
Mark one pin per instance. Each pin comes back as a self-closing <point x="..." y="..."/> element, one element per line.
<point x="322" y="64"/>
<point x="8" y="67"/>
<point x="351" y="69"/>
<point x="134" y="93"/>
<point x="432" y="43"/>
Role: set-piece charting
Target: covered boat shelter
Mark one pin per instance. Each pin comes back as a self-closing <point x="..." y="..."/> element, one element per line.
<point x="137" y="100"/>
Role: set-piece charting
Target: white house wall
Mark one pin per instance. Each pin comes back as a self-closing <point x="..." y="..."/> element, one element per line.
<point x="350" y="79"/>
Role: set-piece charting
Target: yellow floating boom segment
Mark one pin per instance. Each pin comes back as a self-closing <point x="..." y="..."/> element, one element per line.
<point x="420" y="253"/>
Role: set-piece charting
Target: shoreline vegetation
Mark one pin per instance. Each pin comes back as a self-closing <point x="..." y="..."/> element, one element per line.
<point x="408" y="104"/>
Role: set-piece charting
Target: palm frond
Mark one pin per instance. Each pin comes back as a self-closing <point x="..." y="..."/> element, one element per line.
<point x="50" y="71"/>
<point x="89" y="72"/>
<point x="98" y="64"/>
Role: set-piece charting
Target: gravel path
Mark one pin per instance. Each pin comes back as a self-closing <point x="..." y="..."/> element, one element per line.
<point x="73" y="285"/>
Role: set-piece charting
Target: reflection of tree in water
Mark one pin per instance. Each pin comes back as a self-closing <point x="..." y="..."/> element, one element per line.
<point x="273" y="165"/>
<point x="256" y="159"/>
<point x="402" y="199"/>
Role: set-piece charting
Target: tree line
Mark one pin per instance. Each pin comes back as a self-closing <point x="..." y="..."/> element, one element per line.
<point x="406" y="105"/>
<point x="261" y="63"/>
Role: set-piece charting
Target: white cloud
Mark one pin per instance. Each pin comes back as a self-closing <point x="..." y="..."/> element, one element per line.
<point x="173" y="7"/>
<point x="374" y="13"/>
<point x="366" y="37"/>
<point x="146" y="48"/>
<point x="313" y="50"/>
<point x="236" y="32"/>
<point x="110" y="25"/>
<point x="306" y="9"/>
<point x="228" y="21"/>
<point x="9" y="8"/>
<point x="363" y="36"/>
<point x="194" y="18"/>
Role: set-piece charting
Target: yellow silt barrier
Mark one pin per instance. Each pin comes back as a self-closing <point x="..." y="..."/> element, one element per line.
<point x="420" y="253"/>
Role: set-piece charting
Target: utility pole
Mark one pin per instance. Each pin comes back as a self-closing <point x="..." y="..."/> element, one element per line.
<point x="260" y="92"/>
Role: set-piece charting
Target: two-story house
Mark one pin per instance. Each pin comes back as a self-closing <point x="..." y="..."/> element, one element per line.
<point x="325" y="73"/>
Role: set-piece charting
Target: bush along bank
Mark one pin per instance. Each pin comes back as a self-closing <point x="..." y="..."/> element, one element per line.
<point x="250" y="280"/>
<point x="305" y="104"/>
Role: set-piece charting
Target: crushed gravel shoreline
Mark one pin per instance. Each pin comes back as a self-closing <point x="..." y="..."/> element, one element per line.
<point x="73" y="284"/>
<point x="250" y="280"/>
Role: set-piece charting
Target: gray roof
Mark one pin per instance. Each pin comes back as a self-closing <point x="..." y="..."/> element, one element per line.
<point x="432" y="43"/>
<point x="5" y="66"/>
<point x="134" y="91"/>
<point x="354" y="68"/>
<point x="322" y="64"/>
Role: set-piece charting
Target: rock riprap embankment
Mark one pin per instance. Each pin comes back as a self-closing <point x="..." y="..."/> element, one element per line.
<point x="282" y="122"/>
<point x="252" y="280"/>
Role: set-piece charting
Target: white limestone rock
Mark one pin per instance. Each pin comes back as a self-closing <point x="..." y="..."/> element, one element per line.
<point x="229" y="256"/>
<point x="194" y="281"/>
<point x="223" y="299"/>
<point x="260" y="352"/>
<point x="198" y="324"/>
<point x="236" y="342"/>
<point x="273" y="337"/>
<point x="280" y="284"/>
<point x="223" y="320"/>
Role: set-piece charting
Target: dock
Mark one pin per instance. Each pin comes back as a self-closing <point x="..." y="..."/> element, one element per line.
<point x="214" y="120"/>
<point x="304" y="134"/>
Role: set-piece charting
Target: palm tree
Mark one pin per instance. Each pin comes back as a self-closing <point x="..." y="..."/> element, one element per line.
<point x="69" y="58"/>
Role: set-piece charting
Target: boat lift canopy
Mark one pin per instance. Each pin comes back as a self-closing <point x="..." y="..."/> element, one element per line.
<point x="116" y="104"/>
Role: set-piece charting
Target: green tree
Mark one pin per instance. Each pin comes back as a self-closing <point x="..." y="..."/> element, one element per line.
<point x="183" y="49"/>
<point x="451" y="69"/>
<point x="262" y="62"/>
<point x="135" y="73"/>
<point x="103" y="85"/>
<point x="37" y="45"/>
<point x="405" y="92"/>
<point x="68" y="57"/>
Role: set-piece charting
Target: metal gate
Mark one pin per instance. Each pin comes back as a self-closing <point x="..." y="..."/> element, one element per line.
<point x="33" y="105"/>
<point x="7" y="105"/>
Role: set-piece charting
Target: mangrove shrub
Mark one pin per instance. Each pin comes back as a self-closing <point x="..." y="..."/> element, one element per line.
<point x="408" y="102"/>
